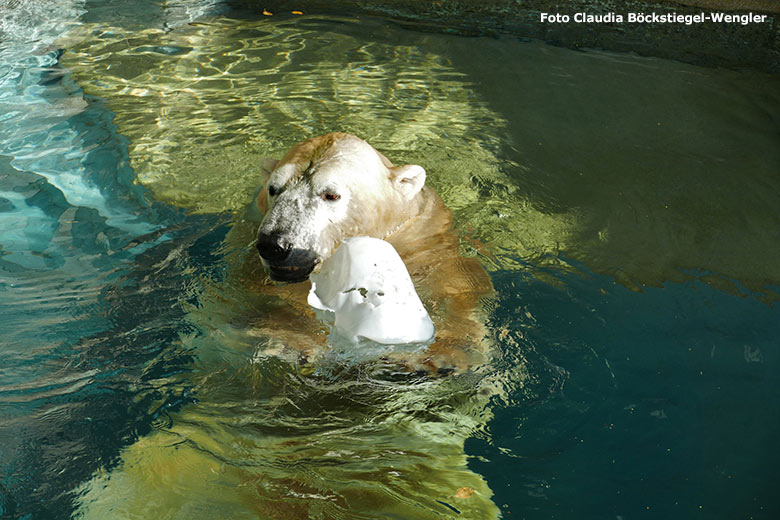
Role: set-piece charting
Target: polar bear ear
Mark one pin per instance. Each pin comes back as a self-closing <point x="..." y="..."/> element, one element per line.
<point x="408" y="179"/>
<point x="267" y="165"/>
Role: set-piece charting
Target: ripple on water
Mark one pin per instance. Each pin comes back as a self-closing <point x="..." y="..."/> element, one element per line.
<point x="512" y="135"/>
<point x="133" y="367"/>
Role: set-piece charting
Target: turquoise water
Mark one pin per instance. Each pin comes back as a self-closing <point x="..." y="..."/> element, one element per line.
<point x="635" y="321"/>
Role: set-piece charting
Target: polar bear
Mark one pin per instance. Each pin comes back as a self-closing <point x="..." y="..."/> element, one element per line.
<point x="337" y="186"/>
<point x="265" y="438"/>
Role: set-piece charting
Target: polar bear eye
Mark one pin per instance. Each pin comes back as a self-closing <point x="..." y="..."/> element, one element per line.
<point x="330" y="196"/>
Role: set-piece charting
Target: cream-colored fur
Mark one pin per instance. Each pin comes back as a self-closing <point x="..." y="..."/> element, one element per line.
<point x="379" y="200"/>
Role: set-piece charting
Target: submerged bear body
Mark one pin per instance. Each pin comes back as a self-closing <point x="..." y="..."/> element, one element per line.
<point x="265" y="438"/>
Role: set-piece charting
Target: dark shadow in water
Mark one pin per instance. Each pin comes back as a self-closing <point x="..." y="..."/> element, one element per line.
<point x="667" y="166"/>
<point x="664" y="403"/>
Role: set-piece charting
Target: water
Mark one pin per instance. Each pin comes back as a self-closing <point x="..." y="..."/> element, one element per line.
<point x="625" y="208"/>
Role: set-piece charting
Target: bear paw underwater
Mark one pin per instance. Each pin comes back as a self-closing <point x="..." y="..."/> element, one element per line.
<point x="337" y="187"/>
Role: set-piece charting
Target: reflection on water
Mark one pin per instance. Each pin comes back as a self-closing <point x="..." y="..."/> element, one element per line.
<point x="262" y="441"/>
<point x="213" y="97"/>
<point x="69" y="224"/>
<point x="202" y="105"/>
<point x="669" y="167"/>
<point x="134" y="384"/>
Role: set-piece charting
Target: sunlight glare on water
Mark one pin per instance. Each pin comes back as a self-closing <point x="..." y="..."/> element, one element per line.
<point x="498" y="140"/>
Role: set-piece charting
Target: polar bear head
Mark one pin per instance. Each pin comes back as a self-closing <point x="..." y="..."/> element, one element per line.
<point x="327" y="189"/>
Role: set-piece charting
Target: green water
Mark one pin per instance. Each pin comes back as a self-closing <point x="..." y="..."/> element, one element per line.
<point x="636" y="167"/>
<point x="625" y="207"/>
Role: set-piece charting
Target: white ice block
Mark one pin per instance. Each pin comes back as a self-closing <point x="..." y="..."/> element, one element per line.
<point x="368" y="288"/>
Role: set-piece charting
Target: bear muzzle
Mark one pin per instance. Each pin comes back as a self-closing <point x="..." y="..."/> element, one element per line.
<point x="285" y="263"/>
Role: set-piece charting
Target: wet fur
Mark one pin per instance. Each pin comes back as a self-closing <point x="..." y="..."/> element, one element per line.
<point x="412" y="218"/>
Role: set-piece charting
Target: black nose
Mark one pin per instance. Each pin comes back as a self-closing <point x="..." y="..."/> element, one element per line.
<point x="272" y="247"/>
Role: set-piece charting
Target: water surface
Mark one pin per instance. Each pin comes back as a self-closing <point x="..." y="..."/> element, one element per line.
<point x="625" y="207"/>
